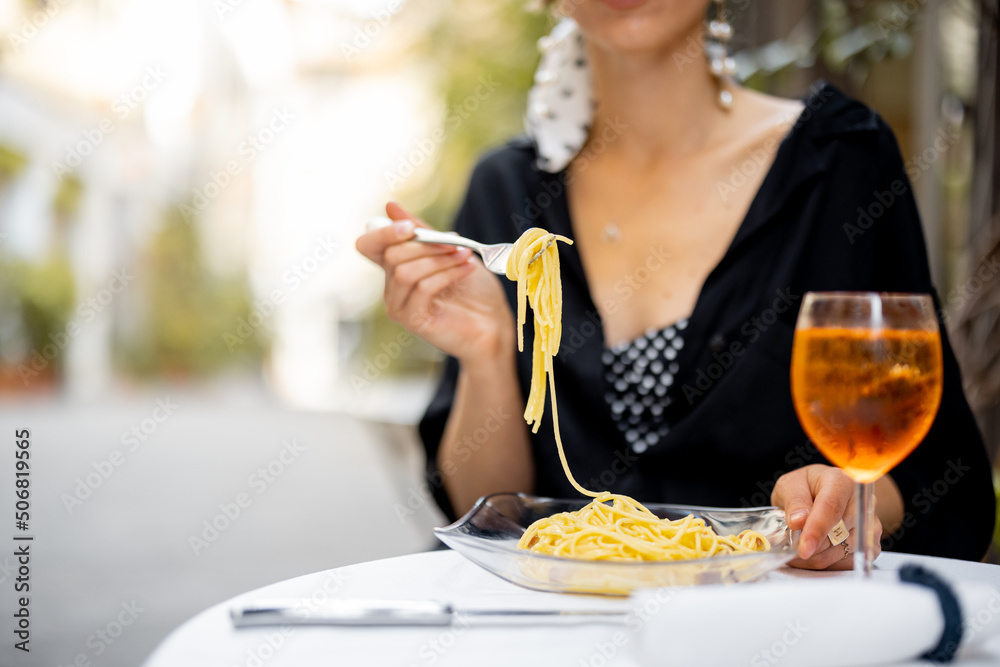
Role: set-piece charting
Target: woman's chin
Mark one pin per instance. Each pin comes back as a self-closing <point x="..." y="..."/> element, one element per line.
<point x="622" y="5"/>
<point x="635" y="26"/>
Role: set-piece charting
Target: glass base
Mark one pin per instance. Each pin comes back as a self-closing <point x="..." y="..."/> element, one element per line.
<point x="864" y="529"/>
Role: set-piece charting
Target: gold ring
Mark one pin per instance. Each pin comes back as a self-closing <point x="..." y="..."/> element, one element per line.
<point x="847" y="550"/>
<point x="839" y="533"/>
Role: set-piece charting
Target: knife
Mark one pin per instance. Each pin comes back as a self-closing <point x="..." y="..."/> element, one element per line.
<point x="406" y="613"/>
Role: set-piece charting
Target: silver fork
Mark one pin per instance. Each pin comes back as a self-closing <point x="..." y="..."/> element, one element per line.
<point x="494" y="254"/>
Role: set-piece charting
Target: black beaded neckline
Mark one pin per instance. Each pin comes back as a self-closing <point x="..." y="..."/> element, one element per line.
<point x="640" y="376"/>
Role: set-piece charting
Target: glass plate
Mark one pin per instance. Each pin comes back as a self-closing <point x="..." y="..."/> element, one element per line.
<point x="489" y="533"/>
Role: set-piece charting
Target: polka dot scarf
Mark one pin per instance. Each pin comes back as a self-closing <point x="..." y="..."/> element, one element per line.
<point x="560" y="104"/>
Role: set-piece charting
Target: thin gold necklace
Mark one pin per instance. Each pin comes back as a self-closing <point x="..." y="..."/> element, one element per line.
<point x="611" y="233"/>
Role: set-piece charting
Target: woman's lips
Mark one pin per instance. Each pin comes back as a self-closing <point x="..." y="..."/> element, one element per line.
<point x="623" y="4"/>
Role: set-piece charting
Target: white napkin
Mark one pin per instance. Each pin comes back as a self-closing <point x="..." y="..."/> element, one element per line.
<point x="813" y="622"/>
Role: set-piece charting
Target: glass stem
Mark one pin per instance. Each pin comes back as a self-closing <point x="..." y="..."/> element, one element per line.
<point x="864" y="533"/>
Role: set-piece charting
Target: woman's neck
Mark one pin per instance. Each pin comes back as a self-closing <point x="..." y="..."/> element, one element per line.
<point x="665" y="101"/>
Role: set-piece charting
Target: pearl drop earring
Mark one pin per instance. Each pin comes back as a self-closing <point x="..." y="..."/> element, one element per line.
<point x="720" y="64"/>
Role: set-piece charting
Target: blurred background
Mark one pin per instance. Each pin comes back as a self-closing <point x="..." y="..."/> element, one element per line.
<point x="184" y="321"/>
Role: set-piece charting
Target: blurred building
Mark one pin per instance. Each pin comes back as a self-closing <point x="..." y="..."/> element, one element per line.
<point x="262" y="122"/>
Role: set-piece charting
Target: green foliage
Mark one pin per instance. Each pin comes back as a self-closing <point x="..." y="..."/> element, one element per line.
<point x="859" y="36"/>
<point x="47" y="296"/>
<point x="11" y="163"/>
<point x="478" y="47"/>
<point x="187" y="311"/>
<point x="68" y="195"/>
<point x="36" y="298"/>
<point x="39" y="296"/>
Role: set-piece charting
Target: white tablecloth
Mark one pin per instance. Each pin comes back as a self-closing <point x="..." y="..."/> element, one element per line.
<point x="210" y="639"/>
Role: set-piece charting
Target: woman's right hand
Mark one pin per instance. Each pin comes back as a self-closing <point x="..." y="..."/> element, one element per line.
<point x="440" y="292"/>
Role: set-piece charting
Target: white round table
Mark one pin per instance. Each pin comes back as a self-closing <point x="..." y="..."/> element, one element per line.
<point x="210" y="638"/>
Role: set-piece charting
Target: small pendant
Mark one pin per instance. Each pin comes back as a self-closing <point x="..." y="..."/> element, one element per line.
<point x="611" y="233"/>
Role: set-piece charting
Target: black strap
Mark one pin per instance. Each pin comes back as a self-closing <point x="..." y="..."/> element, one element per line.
<point x="951" y="637"/>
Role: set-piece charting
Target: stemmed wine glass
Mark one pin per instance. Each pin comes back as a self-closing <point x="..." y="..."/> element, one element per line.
<point x="866" y="384"/>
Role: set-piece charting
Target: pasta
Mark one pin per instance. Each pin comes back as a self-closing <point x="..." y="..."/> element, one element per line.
<point x="538" y="282"/>
<point x="625" y="529"/>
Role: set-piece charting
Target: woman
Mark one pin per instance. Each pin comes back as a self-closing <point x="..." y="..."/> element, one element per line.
<point x="700" y="214"/>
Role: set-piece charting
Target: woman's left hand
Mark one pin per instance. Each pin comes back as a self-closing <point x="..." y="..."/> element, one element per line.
<point x="814" y="499"/>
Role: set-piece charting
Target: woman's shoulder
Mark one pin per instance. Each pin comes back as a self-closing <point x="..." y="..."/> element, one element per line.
<point x="834" y="132"/>
<point x="823" y="113"/>
<point x="829" y="112"/>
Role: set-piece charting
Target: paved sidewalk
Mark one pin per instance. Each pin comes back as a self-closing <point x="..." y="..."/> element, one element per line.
<point x="205" y="503"/>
